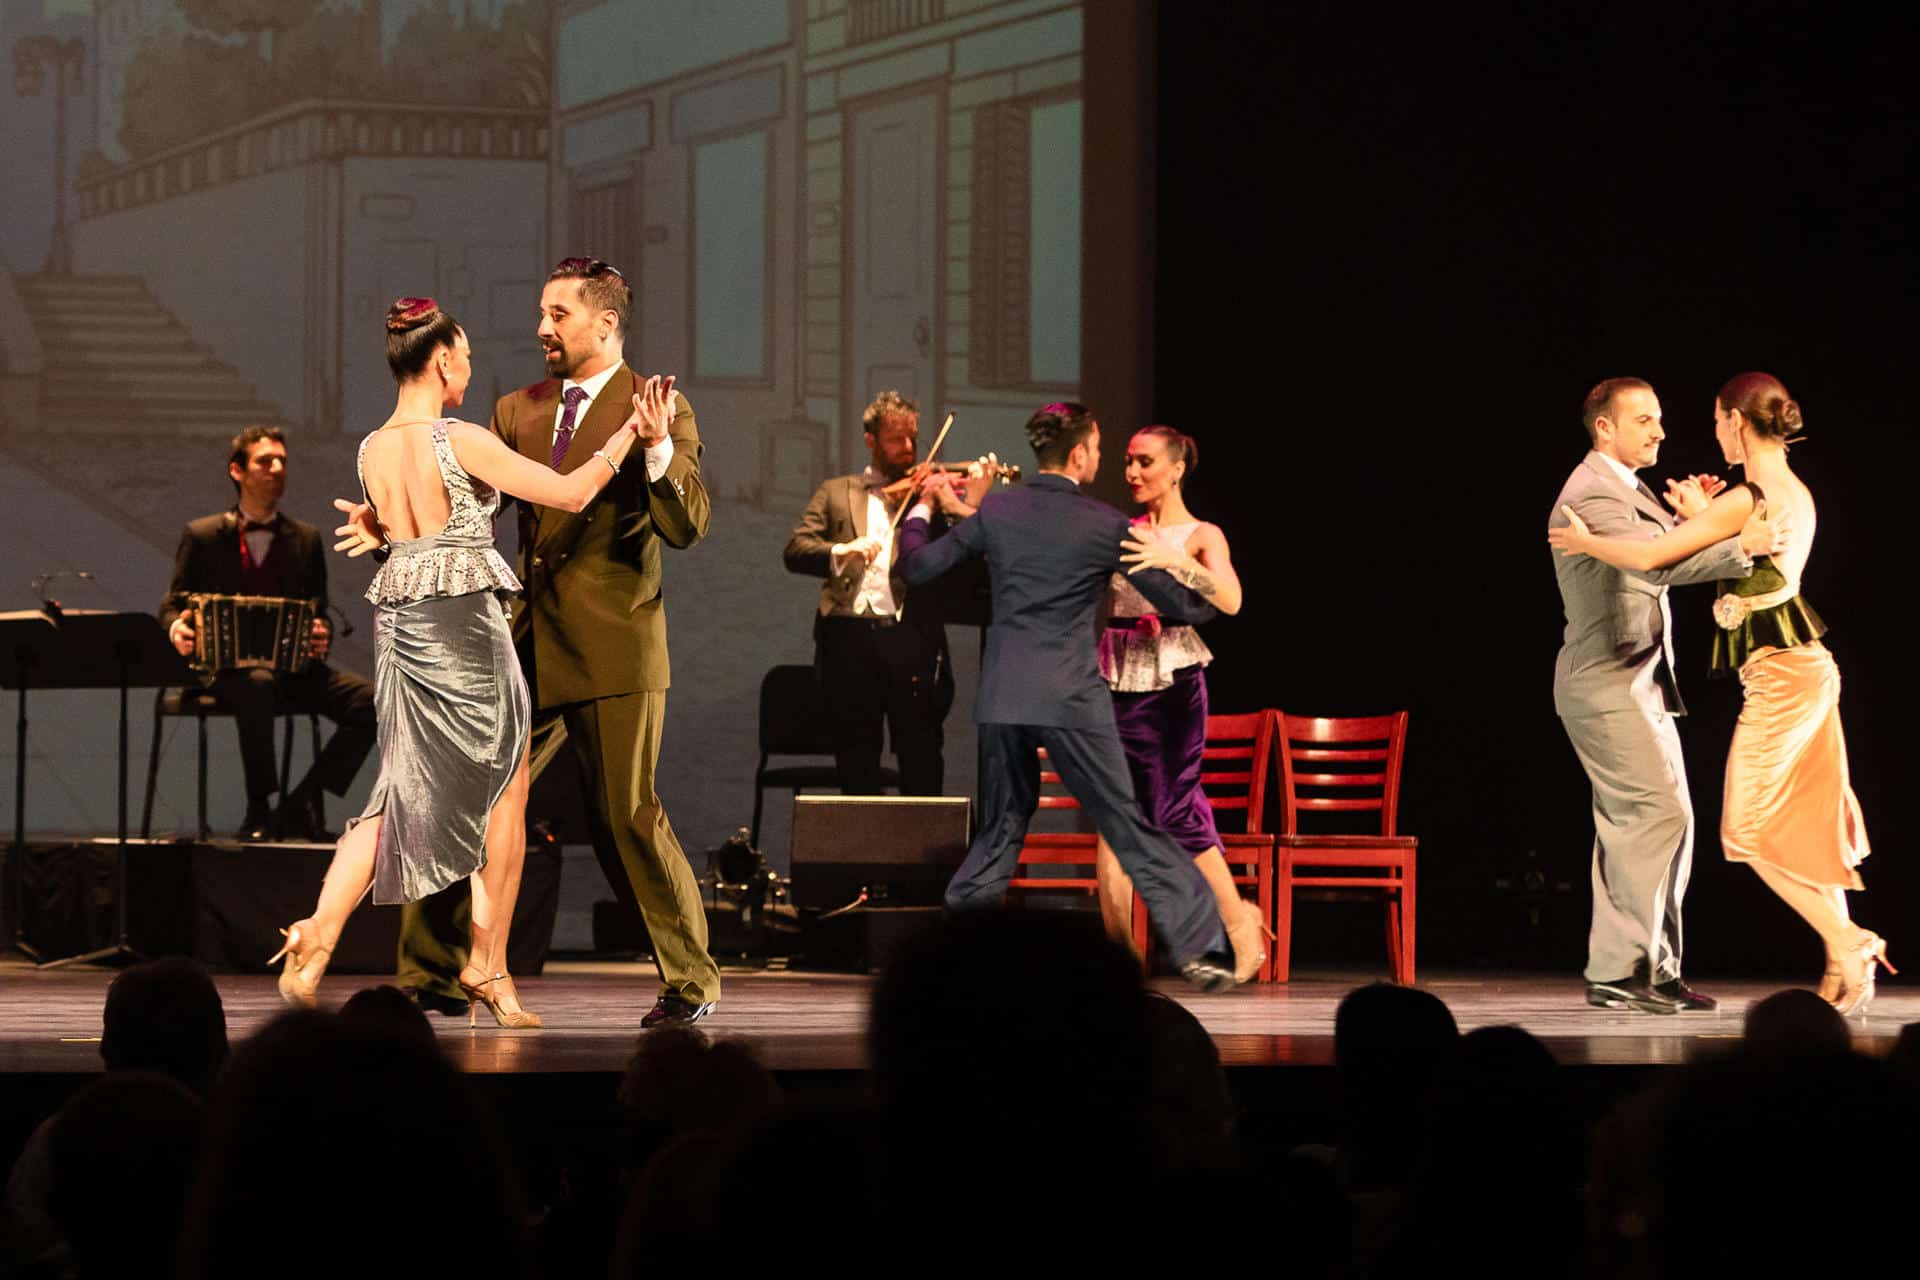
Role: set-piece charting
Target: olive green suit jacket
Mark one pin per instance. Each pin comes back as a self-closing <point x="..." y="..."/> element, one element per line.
<point x="592" y="615"/>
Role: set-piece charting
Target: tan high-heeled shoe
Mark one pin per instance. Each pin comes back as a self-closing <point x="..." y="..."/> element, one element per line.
<point x="517" y="1019"/>
<point x="1248" y="936"/>
<point x="1868" y="952"/>
<point x="299" y="980"/>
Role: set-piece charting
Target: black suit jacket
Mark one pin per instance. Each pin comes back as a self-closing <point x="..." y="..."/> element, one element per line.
<point x="208" y="560"/>
<point x="1052" y="551"/>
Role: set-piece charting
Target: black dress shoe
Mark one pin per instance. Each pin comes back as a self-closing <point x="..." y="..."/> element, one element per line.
<point x="434" y="1002"/>
<point x="1630" y="993"/>
<point x="671" y="1010"/>
<point x="1689" y="1000"/>
<point x="1211" y="971"/>
<point x="257" y="825"/>
<point x="300" y="823"/>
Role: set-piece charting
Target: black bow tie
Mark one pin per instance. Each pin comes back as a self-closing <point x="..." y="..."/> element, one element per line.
<point x="260" y="526"/>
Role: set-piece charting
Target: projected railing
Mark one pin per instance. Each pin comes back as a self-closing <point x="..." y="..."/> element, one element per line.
<point x="303" y="132"/>
<point x="870" y="20"/>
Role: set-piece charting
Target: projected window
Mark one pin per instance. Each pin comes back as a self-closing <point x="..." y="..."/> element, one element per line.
<point x="1025" y="316"/>
<point x="730" y="220"/>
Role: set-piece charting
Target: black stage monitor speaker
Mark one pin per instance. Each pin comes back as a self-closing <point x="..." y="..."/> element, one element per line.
<point x="901" y="850"/>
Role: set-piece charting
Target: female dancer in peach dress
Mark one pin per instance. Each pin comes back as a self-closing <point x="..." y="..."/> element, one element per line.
<point x="1789" y="810"/>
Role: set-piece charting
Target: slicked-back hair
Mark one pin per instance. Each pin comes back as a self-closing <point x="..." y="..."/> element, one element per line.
<point x="1054" y="429"/>
<point x="602" y="288"/>
<point x="1599" y="401"/>
<point x="416" y="328"/>
<point x="1762" y="399"/>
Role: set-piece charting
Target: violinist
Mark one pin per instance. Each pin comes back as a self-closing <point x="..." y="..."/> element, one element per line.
<point x="877" y="660"/>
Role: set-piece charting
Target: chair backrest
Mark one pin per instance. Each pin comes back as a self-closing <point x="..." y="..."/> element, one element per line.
<point x="1340" y="764"/>
<point x="1053" y="792"/>
<point x="1234" y="763"/>
<point x="793" y="713"/>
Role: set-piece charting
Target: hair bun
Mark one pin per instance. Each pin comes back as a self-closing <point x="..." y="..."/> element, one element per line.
<point x="1788" y="416"/>
<point x="410" y="313"/>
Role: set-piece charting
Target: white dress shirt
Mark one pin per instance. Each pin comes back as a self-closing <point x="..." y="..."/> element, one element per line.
<point x="657" y="456"/>
<point x="1621" y="469"/>
<point x="875" y="597"/>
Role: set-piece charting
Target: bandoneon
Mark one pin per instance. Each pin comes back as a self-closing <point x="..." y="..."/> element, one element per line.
<point x="240" y="632"/>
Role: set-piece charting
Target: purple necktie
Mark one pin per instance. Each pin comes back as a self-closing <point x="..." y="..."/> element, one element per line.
<point x="564" y="436"/>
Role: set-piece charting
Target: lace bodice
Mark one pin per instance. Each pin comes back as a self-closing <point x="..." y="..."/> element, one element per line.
<point x="1142" y="657"/>
<point x="457" y="560"/>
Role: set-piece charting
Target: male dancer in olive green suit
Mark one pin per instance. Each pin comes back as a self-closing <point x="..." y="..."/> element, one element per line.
<point x="592" y="633"/>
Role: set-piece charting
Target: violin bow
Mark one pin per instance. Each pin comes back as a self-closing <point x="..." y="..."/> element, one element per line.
<point x="925" y="462"/>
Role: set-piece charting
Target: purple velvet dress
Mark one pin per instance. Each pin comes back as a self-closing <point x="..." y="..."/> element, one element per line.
<point x="1158" y="676"/>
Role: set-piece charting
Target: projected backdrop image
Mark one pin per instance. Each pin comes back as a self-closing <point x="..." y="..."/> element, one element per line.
<point x="816" y="200"/>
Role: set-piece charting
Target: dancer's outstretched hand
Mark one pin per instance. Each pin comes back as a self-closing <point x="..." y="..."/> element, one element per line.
<point x="361" y="533"/>
<point x="1574" y="539"/>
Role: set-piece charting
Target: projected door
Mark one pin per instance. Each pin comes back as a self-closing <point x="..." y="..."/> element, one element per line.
<point x="895" y="240"/>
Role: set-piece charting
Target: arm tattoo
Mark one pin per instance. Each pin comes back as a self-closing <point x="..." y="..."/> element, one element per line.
<point x="1196" y="579"/>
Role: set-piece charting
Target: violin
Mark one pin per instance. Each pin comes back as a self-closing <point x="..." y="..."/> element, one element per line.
<point x="1000" y="472"/>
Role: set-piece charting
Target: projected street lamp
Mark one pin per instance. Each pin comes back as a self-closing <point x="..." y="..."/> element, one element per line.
<point x="35" y="58"/>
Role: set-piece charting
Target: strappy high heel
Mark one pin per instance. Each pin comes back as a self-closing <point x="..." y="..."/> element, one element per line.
<point x="1869" y="951"/>
<point x="513" y="1019"/>
<point x="1248" y="937"/>
<point x="299" y="980"/>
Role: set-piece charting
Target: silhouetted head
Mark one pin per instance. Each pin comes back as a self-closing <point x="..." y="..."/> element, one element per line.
<point x="165" y="1015"/>
<point x="1796" y="1021"/>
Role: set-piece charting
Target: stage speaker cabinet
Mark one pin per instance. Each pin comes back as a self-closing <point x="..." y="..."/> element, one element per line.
<point x="901" y="850"/>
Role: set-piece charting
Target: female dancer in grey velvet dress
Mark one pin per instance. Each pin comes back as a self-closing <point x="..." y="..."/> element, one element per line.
<point x="453" y="709"/>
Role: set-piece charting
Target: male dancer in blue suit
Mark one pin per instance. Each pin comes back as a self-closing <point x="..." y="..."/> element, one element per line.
<point x="1051" y="551"/>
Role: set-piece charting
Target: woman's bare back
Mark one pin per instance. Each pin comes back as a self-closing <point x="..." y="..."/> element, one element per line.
<point x="1787" y="496"/>
<point x="403" y="481"/>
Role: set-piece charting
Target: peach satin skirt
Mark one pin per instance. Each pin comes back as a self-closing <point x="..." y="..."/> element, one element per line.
<point x="1788" y="801"/>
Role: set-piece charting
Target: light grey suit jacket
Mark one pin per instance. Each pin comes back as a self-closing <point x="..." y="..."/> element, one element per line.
<point x="1617" y="654"/>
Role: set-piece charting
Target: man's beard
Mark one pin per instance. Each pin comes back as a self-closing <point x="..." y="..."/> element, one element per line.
<point x="560" y="361"/>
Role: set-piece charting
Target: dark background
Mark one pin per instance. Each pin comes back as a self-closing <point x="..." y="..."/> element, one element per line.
<point x="1392" y="255"/>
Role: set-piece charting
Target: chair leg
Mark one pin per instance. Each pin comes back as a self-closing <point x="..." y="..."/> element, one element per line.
<point x="286" y="760"/>
<point x="319" y="793"/>
<point x="1392" y="902"/>
<point x="1282" y="916"/>
<point x="1142" y="933"/>
<point x="153" y="767"/>
<point x="206" y="829"/>
<point x="1406" y="975"/>
<point x="1265" y="899"/>
<point x="759" y="800"/>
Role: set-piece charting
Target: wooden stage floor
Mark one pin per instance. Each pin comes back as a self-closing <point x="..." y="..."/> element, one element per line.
<point x="805" y="1022"/>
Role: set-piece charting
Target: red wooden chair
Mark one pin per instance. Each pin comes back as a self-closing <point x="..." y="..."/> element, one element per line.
<point x="1233" y="773"/>
<point x="1344" y="765"/>
<point x="1055" y="848"/>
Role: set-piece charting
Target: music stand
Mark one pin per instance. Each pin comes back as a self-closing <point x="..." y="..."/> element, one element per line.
<point x="103" y="649"/>
<point x="27" y="638"/>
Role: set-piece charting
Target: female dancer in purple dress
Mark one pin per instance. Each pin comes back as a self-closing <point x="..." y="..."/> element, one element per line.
<point x="1157" y="674"/>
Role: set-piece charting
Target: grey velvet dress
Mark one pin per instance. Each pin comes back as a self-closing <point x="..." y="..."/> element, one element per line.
<point x="452" y="705"/>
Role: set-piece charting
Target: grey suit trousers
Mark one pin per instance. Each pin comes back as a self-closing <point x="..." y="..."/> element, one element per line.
<point x="1642" y="840"/>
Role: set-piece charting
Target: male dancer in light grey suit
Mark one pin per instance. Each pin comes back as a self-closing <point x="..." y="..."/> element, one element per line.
<point x="1614" y="688"/>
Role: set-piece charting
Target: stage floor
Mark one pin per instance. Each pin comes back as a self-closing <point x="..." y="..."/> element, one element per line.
<point x="800" y="1022"/>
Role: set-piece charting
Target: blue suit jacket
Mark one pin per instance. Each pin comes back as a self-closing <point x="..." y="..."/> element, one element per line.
<point x="1051" y="551"/>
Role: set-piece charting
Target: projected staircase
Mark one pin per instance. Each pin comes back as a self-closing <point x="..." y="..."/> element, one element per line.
<point x="134" y="414"/>
<point x="117" y="362"/>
